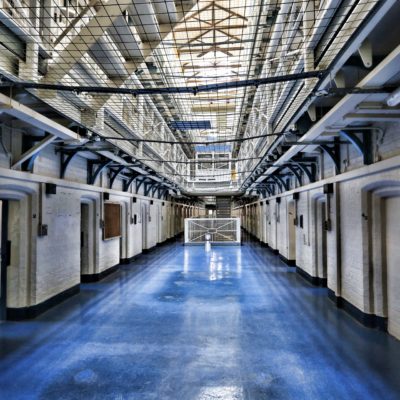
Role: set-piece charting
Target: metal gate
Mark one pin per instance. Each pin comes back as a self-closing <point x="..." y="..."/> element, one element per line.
<point x="221" y="230"/>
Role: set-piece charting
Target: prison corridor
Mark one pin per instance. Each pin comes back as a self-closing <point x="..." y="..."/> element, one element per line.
<point x="182" y="323"/>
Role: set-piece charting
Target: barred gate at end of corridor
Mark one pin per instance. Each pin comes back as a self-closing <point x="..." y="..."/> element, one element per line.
<point x="221" y="230"/>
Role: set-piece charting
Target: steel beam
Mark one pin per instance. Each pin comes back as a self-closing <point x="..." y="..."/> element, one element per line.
<point x="168" y="90"/>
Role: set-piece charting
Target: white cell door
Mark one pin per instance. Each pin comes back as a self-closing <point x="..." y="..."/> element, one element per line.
<point x="4" y="255"/>
<point x="85" y="238"/>
<point x="393" y="264"/>
<point x="291" y="211"/>
<point x="144" y="217"/>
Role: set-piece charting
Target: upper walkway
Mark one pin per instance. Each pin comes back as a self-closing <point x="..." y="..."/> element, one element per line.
<point x="235" y="323"/>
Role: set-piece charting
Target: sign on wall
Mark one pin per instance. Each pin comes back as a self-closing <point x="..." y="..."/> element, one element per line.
<point x="112" y="221"/>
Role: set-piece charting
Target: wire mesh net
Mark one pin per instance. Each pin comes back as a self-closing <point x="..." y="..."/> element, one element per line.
<point x="149" y="65"/>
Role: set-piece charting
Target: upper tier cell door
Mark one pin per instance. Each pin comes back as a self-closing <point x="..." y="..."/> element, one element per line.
<point x="5" y="257"/>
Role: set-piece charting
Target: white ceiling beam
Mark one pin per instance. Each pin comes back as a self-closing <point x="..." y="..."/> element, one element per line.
<point x="367" y="117"/>
<point x="349" y="51"/>
<point x="376" y="78"/>
<point x="377" y="108"/>
<point x="166" y="11"/>
<point x="83" y="14"/>
<point x="37" y="120"/>
<point x="81" y="43"/>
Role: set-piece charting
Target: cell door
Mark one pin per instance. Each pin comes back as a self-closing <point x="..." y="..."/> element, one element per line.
<point x="5" y="257"/>
<point x="84" y="238"/>
<point x="393" y="264"/>
<point x="160" y="223"/>
<point x="321" y="249"/>
<point x="144" y="225"/>
<point x="291" y="228"/>
<point x="123" y="240"/>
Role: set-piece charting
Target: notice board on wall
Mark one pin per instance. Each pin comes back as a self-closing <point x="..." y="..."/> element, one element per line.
<point x="112" y="221"/>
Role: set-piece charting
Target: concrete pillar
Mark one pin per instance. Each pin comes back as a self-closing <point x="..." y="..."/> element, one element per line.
<point x="88" y="118"/>
<point x="99" y="122"/>
<point x="47" y="22"/>
<point x="308" y="24"/>
<point x="140" y="149"/>
<point x="28" y="69"/>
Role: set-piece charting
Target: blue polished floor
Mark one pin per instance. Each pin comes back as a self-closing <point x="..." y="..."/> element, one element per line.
<point x="179" y="324"/>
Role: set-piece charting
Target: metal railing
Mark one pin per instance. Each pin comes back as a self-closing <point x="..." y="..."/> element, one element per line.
<point x="221" y="230"/>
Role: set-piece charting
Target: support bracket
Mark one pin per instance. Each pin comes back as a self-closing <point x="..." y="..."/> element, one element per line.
<point x="66" y="158"/>
<point x="140" y="183"/>
<point x="277" y="182"/>
<point x="296" y="173"/>
<point x="147" y="188"/>
<point x="95" y="167"/>
<point x="114" y="173"/>
<point x="365" y="52"/>
<point x="284" y="183"/>
<point x="334" y="154"/>
<point x="154" y="189"/>
<point x="340" y="80"/>
<point x="270" y="186"/>
<point x="160" y="192"/>
<point x="363" y="146"/>
<point x="27" y="159"/>
<point x="127" y="183"/>
<point x="312" y="112"/>
<point x="308" y="166"/>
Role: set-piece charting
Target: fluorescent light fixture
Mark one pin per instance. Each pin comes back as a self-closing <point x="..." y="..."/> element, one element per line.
<point x="394" y="99"/>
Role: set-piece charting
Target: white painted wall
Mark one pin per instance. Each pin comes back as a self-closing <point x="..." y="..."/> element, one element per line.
<point x="58" y="256"/>
<point x="352" y="249"/>
<point x="42" y="267"/>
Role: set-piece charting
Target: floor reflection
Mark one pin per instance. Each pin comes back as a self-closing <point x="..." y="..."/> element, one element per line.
<point x="180" y="323"/>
